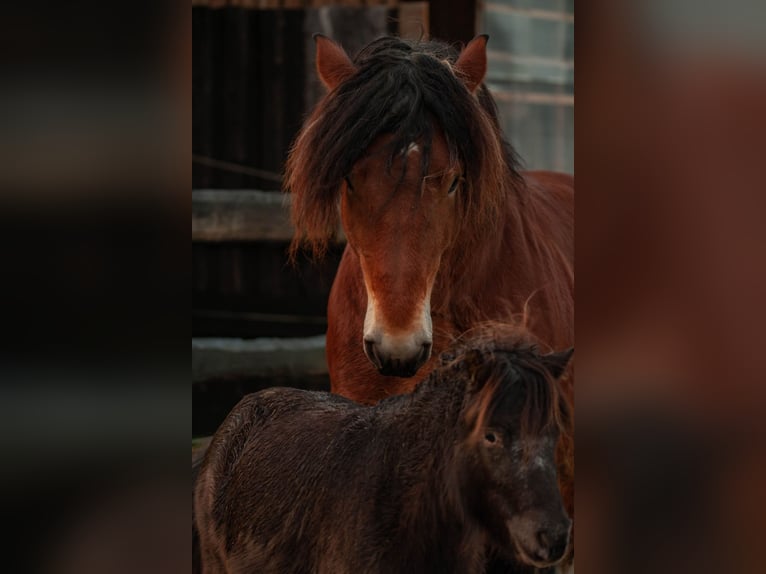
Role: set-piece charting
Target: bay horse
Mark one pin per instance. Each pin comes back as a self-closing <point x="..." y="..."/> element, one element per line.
<point x="304" y="481"/>
<point x="443" y="230"/>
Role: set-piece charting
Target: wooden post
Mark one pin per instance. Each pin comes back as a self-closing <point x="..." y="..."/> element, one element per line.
<point x="453" y="20"/>
<point x="413" y="20"/>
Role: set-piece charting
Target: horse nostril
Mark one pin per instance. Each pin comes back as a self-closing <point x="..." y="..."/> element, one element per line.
<point x="544" y="538"/>
<point x="372" y="353"/>
<point x="425" y="352"/>
<point x="553" y="543"/>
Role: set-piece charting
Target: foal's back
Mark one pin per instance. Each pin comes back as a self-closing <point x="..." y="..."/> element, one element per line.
<point x="257" y="488"/>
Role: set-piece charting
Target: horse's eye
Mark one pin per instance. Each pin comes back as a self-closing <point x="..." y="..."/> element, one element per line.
<point x="453" y="187"/>
<point x="490" y="437"/>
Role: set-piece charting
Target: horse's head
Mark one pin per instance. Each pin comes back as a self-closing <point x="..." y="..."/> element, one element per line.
<point x="406" y="153"/>
<point x="399" y="224"/>
<point x="514" y="415"/>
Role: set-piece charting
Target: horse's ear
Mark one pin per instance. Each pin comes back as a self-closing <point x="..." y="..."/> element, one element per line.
<point x="556" y="363"/>
<point x="333" y="64"/>
<point x="471" y="65"/>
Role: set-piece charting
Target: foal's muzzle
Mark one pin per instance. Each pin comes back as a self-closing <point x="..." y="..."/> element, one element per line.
<point x="541" y="542"/>
<point x="552" y="542"/>
<point x="397" y="360"/>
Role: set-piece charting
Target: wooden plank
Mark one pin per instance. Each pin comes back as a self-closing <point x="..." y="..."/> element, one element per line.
<point x="264" y="317"/>
<point x="558" y="15"/>
<point x="242" y="215"/>
<point x="289" y="4"/>
<point x="535" y="49"/>
<point x="533" y="97"/>
<point x="453" y="20"/>
<point x="202" y="92"/>
<point x="232" y="115"/>
<point x="225" y="358"/>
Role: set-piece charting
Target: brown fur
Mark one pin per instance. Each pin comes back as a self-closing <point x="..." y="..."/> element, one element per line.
<point x="296" y="481"/>
<point x="471" y="66"/>
<point x="502" y="249"/>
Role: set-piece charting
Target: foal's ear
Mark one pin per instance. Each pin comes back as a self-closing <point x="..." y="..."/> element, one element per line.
<point x="471" y="65"/>
<point x="556" y="363"/>
<point x="333" y="64"/>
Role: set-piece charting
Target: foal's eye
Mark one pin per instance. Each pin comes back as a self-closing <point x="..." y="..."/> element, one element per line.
<point x="490" y="438"/>
<point x="453" y="187"/>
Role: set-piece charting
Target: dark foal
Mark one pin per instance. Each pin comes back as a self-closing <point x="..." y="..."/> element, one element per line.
<point x="435" y="481"/>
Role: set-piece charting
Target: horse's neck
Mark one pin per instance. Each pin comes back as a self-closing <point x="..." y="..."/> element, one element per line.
<point x="426" y="418"/>
<point x="469" y="272"/>
<point x="512" y="271"/>
<point x="429" y="423"/>
<point x="424" y="437"/>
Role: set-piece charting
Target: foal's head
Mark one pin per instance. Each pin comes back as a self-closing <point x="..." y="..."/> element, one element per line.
<point x="407" y="143"/>
<point x="513" y="416"/>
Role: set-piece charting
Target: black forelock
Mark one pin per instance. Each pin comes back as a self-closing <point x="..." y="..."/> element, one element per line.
<point x="404" y="89"/>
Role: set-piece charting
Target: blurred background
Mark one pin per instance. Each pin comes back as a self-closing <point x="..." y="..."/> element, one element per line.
<point x="256" y="320"/>
<point x="94" y="197"/>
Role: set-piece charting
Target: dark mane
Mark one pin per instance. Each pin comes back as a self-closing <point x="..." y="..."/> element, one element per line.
<point x="409" y="90"/>
<point x="519" y="375"/>
<point x="510" y="368"/>
<point x="305" y="481"/>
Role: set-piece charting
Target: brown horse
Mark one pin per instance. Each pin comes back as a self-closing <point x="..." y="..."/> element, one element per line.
<point x="444" y="231"/>
<point x="439" y="480"/>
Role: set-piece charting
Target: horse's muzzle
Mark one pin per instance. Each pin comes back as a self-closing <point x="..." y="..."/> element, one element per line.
<point x="395" y="362"/>
<point x="542" y="545"/>
<point x="552" y="543"/>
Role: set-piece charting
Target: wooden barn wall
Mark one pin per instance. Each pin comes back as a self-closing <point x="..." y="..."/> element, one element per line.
<point x="531" y="74"/>
<point x="247" y="79"/>
<point x="253" y="83"/>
